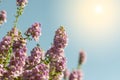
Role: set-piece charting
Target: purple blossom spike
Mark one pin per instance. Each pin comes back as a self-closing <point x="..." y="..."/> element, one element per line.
<point x="34" y="31"/>
<point x="56" y="54"/>
<point x="27" y="75"/>
<point x="53" y="51"/>
<point x="66" y="74"/>
<point x="60" y="39"/>
<point x="35" y="58"/>
<point x="14" y="33"/>
<point x="17" y="61"/>
<point x="5" y="44"/>
<point x="20" y="44"/>
<point x="76" y="75"/>
<point x="21" y="2"/>
<point x="2" y="71"/>
<point x="3" y="16"/>
<point x="57" y="59"/>
<point x="57" y="62"/>
<point x="39" y="72"/>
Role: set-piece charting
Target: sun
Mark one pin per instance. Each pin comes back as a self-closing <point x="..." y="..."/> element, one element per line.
<point x="99" y="9"/>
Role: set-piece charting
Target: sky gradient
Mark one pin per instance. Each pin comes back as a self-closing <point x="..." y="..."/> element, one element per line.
<point x="97" y="34"/>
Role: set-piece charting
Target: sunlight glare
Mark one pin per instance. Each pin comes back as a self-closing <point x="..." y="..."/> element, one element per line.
<point x="99" y="9"/>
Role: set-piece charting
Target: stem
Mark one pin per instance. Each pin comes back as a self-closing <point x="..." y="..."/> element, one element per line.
<point x="79" y="66"/>
<point x="16" y="21"/>
<point x="6" y="61"/>
<point x="65" y="79"/>
<point x="18" y="14"/>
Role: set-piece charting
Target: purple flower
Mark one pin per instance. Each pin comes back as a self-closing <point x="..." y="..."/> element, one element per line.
<point x="53" y="51"/>
<point x="57" y="59"/>
<point x="2" y="71"/>
<point x="3" y="16"/>
<point x="17" y="61"/>
<point x="66" y="74"/>
<point x="19" y="44"/>
<point x="56" y="55"/>
<point x="76" y="75"/>
<point x="57" y="62"/>
<point x="14" y="33"/>
<point x="5" y="44"/>
<point x="60" y="39"/>
<point x="39" y="72"/>
<point x="35" y="58"/>
<point x="27" y="74"/>
<point x="34" y="31"/>
<point x="21" y="2"/>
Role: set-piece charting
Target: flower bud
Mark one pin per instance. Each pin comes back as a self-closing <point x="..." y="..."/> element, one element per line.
<point x="21" y="2"/>
<point x="34" y="31"/>
<point x="66" y="74"/>
<point x="3" y="16"/>
<point x="76" y="75"/>
<point x="82" y="57"/>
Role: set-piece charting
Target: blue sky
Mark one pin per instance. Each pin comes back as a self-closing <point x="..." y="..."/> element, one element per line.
<point x="97" y="33"/>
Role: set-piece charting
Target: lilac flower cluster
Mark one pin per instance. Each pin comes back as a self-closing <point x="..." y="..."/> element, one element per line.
<point x="34" y="31"/>
<point x="39" y="72"/>
<point x="2" y="71"/>
<point x="66" y="74"/>
<point x="17" y="61"/>
<point x="58" y="63"/>
<point x="5" y="45"/>
<point x="60" y="39"/>
<point x="56" y="54"/>
<point x="16" y="65"/>
<point x="3" y="16"/>
<point x="14" y="33"/>
<point x="21" y="2"/>
<point x="76" y="75"/>
<point x="35" y="58"/>
<point x="35" y="67"/>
